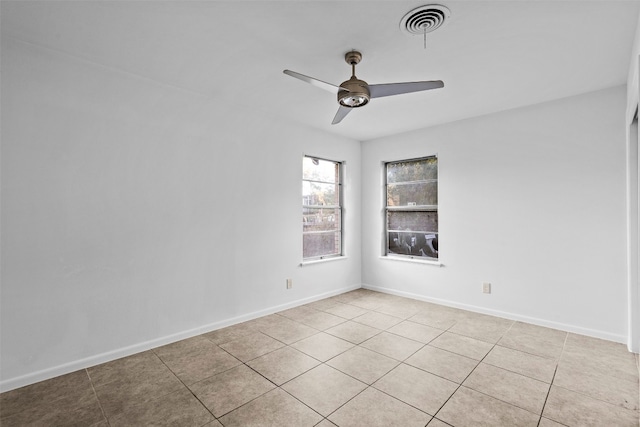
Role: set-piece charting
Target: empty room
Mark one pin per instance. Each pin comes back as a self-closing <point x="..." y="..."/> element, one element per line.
<point x="319" y="213"/>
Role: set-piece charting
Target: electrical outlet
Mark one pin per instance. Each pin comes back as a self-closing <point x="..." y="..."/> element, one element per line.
<point x="486" y="288"/>
<point x="289" y="283"/>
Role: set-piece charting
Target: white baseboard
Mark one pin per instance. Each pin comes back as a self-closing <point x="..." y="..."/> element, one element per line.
<point x="45" y="374"/>
<point x="507" y="315"/>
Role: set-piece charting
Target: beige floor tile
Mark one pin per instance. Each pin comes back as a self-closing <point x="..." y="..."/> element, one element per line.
<point x="545" y="422"/>
<point x="297" y="313"/>
<point x="575" y="409"/>
<point x="402" y="310"/>
<point x="346" y="311"/>
<point x="252" y="346"/>
<point x="49" y="414"/>
<point x="610" y="389"/>
<point x="196" y="359"/>
<point x="616" y="364"/>
<point x="225" y="392"/>
<point x="465" y="346"/>
<point x="66" y="392"/>
<point x="368" y="302"/>
<point x="593" y="353"/>
<point x="595" y="345"/>
<point x="353" y="332"/>
<point x="373" y="408"/>
<point x="377" y="320"/>
<point x="391" y="345"/>
<point x="321" y="320"/>
<point x="360" y="292"/>
<point x="362" y="364"/>
<point x="283" y="364"/>
<point x="530" y="365"/>
<point x="441" y="318"/>
<point x="182" y="347"/>
<point x="347" y="297"/>
<point x="516" y="389"/>
<point x="442" y="363"/>
<point x="324" y="389"/>
<point x="326" y="423"/>
<point x="552" y="335"/>
<point x="288" y="331"/>
<point x="417" y="388"/>
<point x="538" y="345"/>
<point x="130" y="390"/>
<point x="179" y="408"/>
<point x="214" y="423"/>
<point x="471" y="408"/>
<point x="322" y="346"/>
<point x="437" y="423"/>
<point x="143" y="363"/>
<point x="274" y="409"/>
<point x="415" y="331"/>
<point x="232" y="333"/>
<point x="485" y="328"/>
<point x="322" y="304"/>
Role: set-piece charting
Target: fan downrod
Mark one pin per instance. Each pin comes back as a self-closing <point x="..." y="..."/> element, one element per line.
<point x="354" y="92"/>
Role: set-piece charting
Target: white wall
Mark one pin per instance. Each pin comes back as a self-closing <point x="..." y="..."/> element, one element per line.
<point x="531" y="200"/>
<point x="134" y="214"/>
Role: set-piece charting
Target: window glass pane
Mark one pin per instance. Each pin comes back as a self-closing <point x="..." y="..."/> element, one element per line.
<point x="416" y="244"/>
<point x="320" y="244"/>
<point x="412" y="221"/>
<point x="414" y="194"/>
<point x="412" y="170"/>
<point x="315" y="193"/>
<point x="319" y="170"/>
<point x="321" y="226"/>
<point x="320" y="219"/>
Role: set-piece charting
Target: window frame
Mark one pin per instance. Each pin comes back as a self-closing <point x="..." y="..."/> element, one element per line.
<point x="409" y="208"/>
<point x="340" y="207"/>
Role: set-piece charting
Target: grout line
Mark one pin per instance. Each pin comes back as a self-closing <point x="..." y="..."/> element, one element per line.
<point x="97" y="399"/>
<point x="186" y="386"/>
<point x="475" y="367"/>
<point x="349" y="400"/>
<point x="548" y="393"/>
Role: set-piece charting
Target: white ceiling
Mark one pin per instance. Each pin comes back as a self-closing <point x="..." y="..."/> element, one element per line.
<point x="492" y="55"/>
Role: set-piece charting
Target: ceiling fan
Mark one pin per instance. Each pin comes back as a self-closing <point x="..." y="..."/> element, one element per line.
<point x="355" y="93"/>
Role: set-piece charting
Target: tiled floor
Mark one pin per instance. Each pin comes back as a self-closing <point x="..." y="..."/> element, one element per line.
<point x="358" y="359"/>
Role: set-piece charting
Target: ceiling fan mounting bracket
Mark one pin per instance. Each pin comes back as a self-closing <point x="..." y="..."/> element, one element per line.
<point x="353" y="57"/>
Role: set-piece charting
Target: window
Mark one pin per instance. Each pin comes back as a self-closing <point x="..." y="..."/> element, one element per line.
<point x="412" y="208"/>
<point x="321" y="208"/>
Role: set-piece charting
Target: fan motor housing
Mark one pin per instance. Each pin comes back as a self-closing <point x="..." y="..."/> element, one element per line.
<point x="356" y="93"/>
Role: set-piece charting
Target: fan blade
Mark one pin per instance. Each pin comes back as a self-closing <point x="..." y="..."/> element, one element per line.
<point x="317" y="83"/>
<point x="341" y="114"/>
<point x="378" y="91"/>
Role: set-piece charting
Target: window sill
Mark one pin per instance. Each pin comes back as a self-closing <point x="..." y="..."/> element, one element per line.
<point x="323" y="260"/>
<point x="415" y="260"/>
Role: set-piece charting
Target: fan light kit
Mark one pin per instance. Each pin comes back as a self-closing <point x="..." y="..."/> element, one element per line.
<point x="355" y="93"/>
